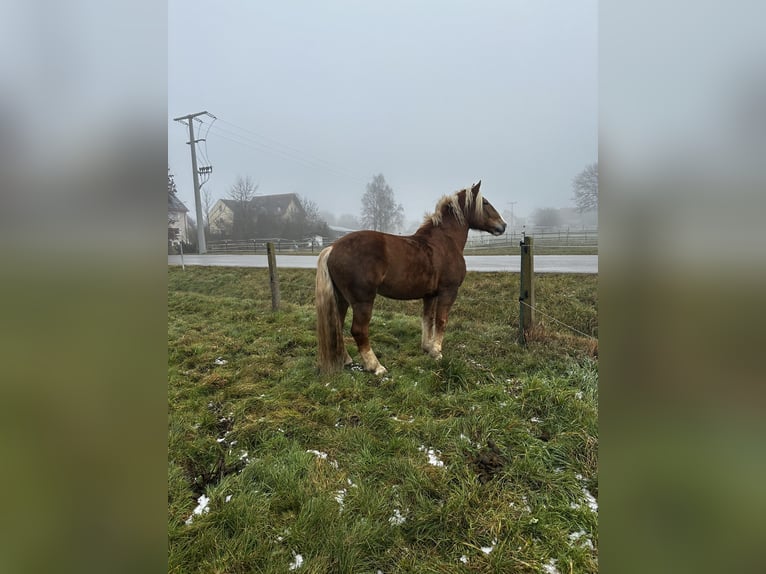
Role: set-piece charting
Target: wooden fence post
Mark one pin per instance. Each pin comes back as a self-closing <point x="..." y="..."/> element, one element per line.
<point x="527" y="289"/>
<point x="273" y="278"/>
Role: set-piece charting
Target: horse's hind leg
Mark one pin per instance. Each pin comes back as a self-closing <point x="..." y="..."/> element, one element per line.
<point x="342" y="310"/>
<point x="360" y="329"/>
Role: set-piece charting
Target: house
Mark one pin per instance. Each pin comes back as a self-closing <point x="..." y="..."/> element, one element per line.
<point x="262" y="216"/>
<point x="177" y="220"/>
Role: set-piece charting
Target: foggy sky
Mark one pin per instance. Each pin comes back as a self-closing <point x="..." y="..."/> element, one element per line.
<point x="317" y="98"/>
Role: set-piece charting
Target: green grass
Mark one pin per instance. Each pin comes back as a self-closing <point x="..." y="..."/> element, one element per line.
<point x="515" y="429"/>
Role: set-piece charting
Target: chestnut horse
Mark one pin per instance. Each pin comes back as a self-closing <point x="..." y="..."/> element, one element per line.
<point x="428" y="265"/>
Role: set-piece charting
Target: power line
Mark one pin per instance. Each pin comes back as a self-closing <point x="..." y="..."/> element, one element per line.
<point x="264" y="143"/>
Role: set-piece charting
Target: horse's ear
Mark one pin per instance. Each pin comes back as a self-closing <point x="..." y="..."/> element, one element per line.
<point x="475" y="186"/>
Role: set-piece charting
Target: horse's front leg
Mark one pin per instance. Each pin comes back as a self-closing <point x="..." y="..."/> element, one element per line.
<point x="443" y="305"/>
<point x="360" y="329"/>
<point x="429" y="318"/>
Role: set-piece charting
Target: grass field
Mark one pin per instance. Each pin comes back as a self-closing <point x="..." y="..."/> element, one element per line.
<point x="484" y="462"/>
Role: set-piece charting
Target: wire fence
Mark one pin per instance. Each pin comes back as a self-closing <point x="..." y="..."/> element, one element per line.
<point x="281" y="245"/>
<point x="570" y="239"/>
<point x="552" y="318"/>
<point x="583" y="241"/>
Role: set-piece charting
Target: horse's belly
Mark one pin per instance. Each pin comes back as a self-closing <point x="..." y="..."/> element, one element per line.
<point x="403" y="288"/>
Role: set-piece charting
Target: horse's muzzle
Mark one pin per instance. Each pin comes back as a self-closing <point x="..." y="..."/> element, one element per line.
<point x="498" y="229"/>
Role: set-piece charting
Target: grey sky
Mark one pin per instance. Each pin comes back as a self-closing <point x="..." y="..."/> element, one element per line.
<point x="317" y="97"/>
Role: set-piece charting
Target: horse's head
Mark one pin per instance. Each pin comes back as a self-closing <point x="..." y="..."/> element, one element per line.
<point x="480" y="214"/>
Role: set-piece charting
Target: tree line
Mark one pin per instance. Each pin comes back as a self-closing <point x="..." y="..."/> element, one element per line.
<point x="379" y="210"/>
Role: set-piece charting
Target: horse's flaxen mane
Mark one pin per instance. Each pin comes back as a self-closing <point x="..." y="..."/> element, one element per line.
<point x="452" y="203"/>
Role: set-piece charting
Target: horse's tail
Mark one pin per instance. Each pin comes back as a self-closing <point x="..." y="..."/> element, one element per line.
<point x="329" y="325"/>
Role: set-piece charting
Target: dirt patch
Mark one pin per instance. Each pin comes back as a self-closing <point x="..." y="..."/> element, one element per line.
<point x="488" y="462"/>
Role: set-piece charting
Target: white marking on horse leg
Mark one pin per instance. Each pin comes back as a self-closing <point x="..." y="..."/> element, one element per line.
<point x="371" y="363"/>
<point x="436" y="343"/>
<point x="347" y="360"/>
<point x="436" y="348"/>
<point x="426" y="340"/>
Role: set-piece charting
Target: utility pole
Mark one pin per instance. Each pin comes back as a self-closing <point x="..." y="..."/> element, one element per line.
<point x="197" y="200"/>
<point x="512" y="203"/>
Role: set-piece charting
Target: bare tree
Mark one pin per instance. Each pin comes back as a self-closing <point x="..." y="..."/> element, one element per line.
<point x="379" y="208"/>
<point x="243" y="189"/>
<point x="310" y="208"/>
<point x="242" y="192"/>
<point x="307" y="221"/>
<point x="585" y="186"/>
<point x="174" y="231"/>
<point x="546" y="217"/>
<point x="207" y="206"/>
<point x="349" y="221"/>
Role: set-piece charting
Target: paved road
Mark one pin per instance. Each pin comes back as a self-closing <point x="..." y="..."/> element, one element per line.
<point x="543" y="263"/>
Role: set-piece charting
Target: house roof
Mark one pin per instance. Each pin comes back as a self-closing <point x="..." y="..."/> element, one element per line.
<point x="269" y="204"/>
<point x="339" y="229"/>
<point x="175" y="204"/>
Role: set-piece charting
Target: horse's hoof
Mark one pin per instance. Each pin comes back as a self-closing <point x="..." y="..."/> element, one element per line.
<point x="381" y="370"/>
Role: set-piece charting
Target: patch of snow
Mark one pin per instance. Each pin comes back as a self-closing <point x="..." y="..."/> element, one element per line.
<point x="202" y="506"/>
<point x="526" y="507"/>
<point x="340" y="495"/>
<point x="575" y="536"/>
<point x="536" y="420"/>
<point x="550" y="567"/>
<point x="220" y="361"/>
<point x="397" y="519"/>
<point x="590" y="500"/>
<point x="464" y="559"/>
<point x="297" y="561"/>
<point x="228" y="498"/>
<point x="488" y="549"/>
<point x="433" y="456"/>
<point x="323" y="456"/>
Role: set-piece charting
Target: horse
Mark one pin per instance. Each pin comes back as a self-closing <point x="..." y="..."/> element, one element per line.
<point x="427" y="265"/>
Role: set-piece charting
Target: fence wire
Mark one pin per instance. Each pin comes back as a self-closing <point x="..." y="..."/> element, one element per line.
<point x="559" y="322"/>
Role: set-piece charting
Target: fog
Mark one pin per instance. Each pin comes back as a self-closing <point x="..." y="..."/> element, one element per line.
<point x="317" y="98"/>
